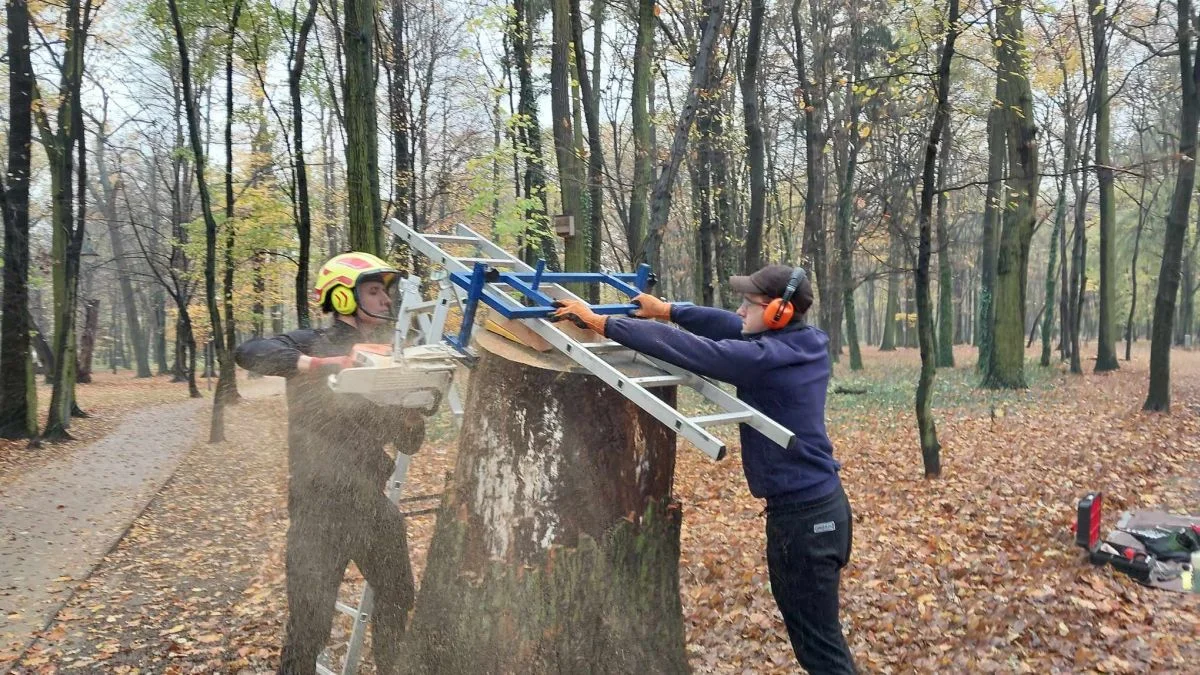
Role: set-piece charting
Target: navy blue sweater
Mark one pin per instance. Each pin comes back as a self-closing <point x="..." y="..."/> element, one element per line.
<point x="782" y="373"/>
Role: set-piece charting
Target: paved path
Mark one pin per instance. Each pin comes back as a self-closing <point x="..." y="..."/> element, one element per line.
<point x="60" y="520"/>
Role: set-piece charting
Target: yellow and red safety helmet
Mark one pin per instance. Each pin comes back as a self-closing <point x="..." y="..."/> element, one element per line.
<point x="338" y="278"/>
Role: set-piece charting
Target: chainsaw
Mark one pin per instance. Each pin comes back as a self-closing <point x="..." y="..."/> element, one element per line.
<point x="415" y="378"/>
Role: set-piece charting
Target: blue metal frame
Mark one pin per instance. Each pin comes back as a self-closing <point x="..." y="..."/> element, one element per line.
<point x="527" y="284"/>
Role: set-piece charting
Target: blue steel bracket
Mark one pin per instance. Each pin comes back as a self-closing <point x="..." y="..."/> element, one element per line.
<point x="528" y="284"/>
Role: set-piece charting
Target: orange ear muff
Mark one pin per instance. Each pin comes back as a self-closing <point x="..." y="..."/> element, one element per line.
<point x="343" y="300"/>
<point x="778" y="313"/>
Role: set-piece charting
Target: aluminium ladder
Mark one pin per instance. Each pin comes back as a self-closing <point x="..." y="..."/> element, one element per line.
<point x="492" y="273"/>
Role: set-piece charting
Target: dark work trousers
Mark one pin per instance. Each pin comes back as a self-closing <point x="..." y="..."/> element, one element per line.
<point x="807" y="546"/>
<point x="324" y="535"/>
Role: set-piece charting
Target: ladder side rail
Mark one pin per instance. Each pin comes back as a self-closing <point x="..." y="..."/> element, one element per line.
<point x="773" y="430"/>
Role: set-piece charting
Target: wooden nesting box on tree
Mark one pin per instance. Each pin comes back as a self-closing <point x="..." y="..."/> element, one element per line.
<point x="557" y="546"/>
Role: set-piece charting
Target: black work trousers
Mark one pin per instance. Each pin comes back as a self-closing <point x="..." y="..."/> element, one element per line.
<point x="324" y="535"/>
<point x="807" y="546"/>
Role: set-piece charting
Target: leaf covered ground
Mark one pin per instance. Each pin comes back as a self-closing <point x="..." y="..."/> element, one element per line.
<point x="972" y="572"/>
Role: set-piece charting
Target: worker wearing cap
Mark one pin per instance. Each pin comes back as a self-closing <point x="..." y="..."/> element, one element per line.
<point x="780" y="366"/>
<point x="337" y="466"/>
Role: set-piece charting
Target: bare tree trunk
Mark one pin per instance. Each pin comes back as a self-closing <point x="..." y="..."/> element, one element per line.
<point x="217" y="428"/>
<point x="992" y="210"/>
<point x="227" y="382"/>
<point x="1106" y="340"/>
<point x="303" y="205"/>
<point x="362" y="145"/>
<point x="927" y="428"/>
<point x="581" y="564"/>
<point x="18" y="390"/>
<point x="1158" y="397"/>
<point x="1006" y="368"/>
<point x="661" y="201"/>
<point x="945" y="338"/>
<point x="755" y="143"/>
<point x="87" y="340"/>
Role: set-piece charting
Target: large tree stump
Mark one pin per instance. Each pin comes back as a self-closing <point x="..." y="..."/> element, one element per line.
<point x="557" y="545"/>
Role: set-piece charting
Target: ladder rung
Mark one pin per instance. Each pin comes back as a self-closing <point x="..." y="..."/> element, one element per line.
<point x="490" y="261"/>
<point x="609" y="346"/>
<point x="452" y="238"/>
<point x="722" y="418"/>
<point x="349" y="611"/>
<point x="661" y="380"/>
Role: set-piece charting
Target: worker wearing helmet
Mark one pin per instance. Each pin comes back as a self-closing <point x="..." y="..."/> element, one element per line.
<point x="338" y="468"/>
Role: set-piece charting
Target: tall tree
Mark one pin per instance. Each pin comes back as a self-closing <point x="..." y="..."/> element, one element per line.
<point x="1106" y="341"/>
<point x="930" y="448"/>
<point x="811" y="83"/>
<point x="191" y="107"/>
<point x="643" y="131"/>
<point x="570" y="168"/>
<point x="1060" y="221"/>
<point x="60" y="144"/>
<point x="755" y="141"/>
<point x="106" y="195"/>
<point x="1006" y="368"/>
<point x="1158" y="398"/>
<point x="701" y="64"/>
<point x="18" y="392"/>
<point x="362" y="146"/>
<point x="227" y="380"/>
<point x="299" y="50"/>
<point x="846" y="185"/>
<point x="945" y="336"/>
<point x="539" y="238"/>
<point x="591" y="112"/>
<point x="992" y="211"/>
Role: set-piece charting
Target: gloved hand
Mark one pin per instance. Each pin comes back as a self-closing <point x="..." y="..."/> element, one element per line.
<point x="651" y="307"/>
<point x="324" y="364"/>
<point x="579" y="313"/>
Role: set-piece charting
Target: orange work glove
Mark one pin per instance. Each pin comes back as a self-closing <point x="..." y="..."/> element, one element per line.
<point x="651" y="307"/>
<point x="324" y="364"/>
<point x="579" y="313"/>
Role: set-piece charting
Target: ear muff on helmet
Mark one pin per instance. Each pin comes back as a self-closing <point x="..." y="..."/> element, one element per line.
<point x="343" y="301"/>
<point x="779" y="312"/>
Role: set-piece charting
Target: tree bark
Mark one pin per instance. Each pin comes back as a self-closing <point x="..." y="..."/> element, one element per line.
<point x="992" y="210"/>
<point x="217" y="427"/>
<point x="755" y="144"/>
<point x="1007" y="365"/>
<point x="812" y="89"/>
<point x="87" y="341"/>
<point x="570" y="170"/>
<point x="845" y="200"/>
<point x="1060" y="221"/>
<point x="927" y="428"/>
<point x="1158" y="398"/>
<point x="1106" y="341"/>
<point x="18" y="391"/>
<point x="557" y="545"/>
<point x="67" y="238"/>
<point x="945" y="339"/>
<point x="595" y="155"/>
<point x="227" y="382"/>
<point x="362" y="145"/>
<point x="661" y="203"/>
<point x="538" y="236"/>
<point x="303" y="205"/>
<point x="643" y="132"/>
